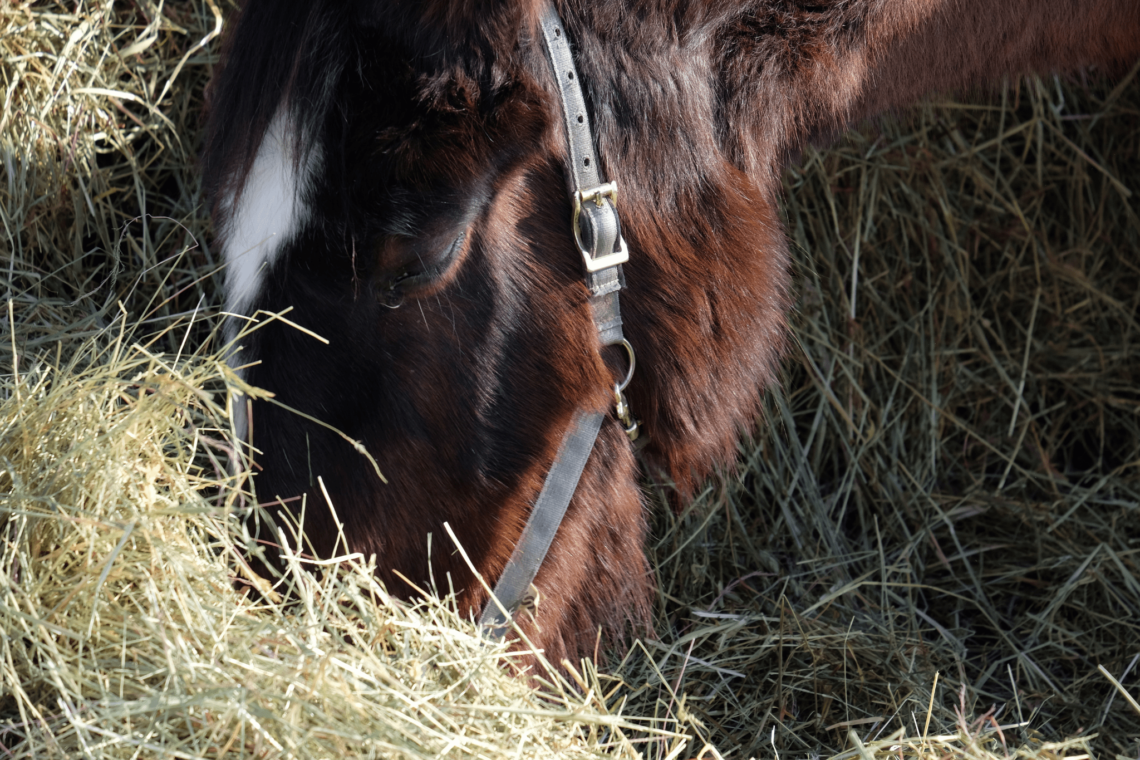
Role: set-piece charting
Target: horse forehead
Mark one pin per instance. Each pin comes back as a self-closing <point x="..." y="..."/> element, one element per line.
<point x="412" y="152"/>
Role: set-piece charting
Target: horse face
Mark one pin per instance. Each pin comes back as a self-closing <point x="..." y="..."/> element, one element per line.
<point x="419" y="225"/>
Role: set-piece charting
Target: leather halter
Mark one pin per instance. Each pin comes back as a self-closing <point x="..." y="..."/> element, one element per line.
<point x="597" y="234"/>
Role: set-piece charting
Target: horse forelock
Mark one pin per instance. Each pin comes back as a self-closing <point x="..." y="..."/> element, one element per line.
<point x="294" y="50"/>
<point x="443" y="29"/>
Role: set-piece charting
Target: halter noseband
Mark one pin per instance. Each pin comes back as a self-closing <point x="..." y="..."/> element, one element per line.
<point x="597" y="234"/>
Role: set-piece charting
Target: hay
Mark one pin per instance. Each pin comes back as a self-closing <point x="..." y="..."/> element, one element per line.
<point x="100" y="204"/>
<point x="125" y="635"/>
<point x="927" y="551"/>
<point x="949" y="478"/>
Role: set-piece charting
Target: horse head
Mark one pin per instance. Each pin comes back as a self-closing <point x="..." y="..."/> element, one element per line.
<point x="389" y="187"/>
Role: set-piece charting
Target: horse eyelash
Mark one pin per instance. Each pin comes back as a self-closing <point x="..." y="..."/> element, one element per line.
<point x="392" y="296"/>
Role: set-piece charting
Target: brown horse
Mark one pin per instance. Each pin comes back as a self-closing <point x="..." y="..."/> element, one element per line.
<point x="396" y="172"/>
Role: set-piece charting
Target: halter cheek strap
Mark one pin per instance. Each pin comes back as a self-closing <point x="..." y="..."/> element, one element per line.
<point x="597" y="234"/>
<point x="597" y="230"/>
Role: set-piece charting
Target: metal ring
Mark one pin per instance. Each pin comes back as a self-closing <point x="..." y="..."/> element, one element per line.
<point x="632" y="363"/>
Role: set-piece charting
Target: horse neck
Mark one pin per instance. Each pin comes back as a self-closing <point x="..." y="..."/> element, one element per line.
<point x="786" y="75"/>
<point x="964" y="44"/>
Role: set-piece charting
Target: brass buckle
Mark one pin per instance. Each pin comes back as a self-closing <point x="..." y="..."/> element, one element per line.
<point x="598" y="195"/>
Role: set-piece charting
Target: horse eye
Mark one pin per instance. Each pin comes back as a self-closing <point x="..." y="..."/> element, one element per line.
<point x="425" y="270"/>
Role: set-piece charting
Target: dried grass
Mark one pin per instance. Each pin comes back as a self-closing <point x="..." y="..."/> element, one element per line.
<point x="949" y="478"/>
<point x="946" y="483"/>
<point x="126" y="636"/>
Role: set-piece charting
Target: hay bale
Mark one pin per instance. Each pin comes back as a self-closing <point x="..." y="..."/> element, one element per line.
<point x="945" y="483"/>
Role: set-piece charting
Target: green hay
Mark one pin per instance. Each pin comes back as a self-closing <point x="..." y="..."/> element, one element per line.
<point x="945" y="483"/>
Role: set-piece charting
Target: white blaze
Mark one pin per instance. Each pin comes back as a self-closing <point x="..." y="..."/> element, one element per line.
<point x="268" y="212"/>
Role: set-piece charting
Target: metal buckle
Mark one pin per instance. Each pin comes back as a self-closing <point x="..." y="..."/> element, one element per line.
<point x="629" y="423"/>
<point x="598" y="195"/>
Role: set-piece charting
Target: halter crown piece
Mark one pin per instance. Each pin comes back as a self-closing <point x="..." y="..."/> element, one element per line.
<point x="597" y="234"/>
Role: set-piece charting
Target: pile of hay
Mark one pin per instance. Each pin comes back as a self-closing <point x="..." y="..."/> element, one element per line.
<point x="948" y="480"/>
<point x="930" y="549"/>
<point x="125" y="636"/>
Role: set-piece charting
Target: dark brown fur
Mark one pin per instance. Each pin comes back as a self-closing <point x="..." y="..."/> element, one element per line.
<point x="437" y="117"/>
